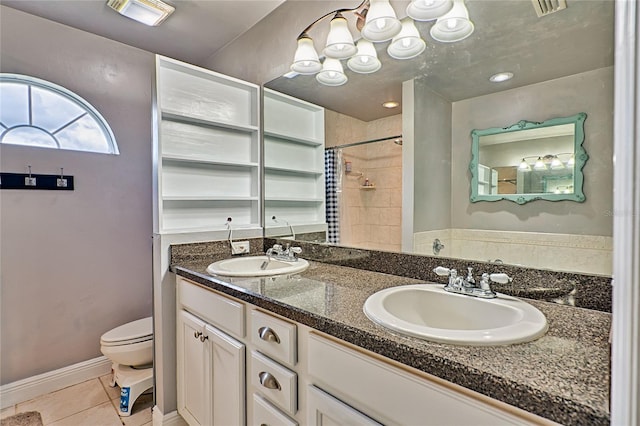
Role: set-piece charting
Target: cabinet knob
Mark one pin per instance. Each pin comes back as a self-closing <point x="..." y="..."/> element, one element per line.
<point x="203" y="337"/>
<point x="268" y="335"/>
<point x="268" y="381"/>
<point x="197" y="334"/>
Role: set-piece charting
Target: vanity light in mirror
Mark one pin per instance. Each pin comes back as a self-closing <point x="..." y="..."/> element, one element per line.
<point x="529" y="161"/>
<point x="366" y="60"/>
<point x="428" y="10"/>
<point x="381" y="22"/>
<point x="454" y="26"/>
<point x="306" y="59"/>
<point x="339" y="41"/>
<point x="332" y="73"/>
<point x="407" y="44"/>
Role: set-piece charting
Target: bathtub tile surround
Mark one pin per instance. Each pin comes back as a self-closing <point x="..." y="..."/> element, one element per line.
<point x="590" y="254"/>
<point x="581" y="290"/>
<point x="563" y="376"/>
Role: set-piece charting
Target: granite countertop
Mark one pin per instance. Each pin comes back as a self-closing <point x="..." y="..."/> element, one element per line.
<point x="563" y="376"/>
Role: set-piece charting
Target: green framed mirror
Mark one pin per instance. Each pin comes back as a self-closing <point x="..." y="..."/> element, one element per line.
<point x="529" y="161"/>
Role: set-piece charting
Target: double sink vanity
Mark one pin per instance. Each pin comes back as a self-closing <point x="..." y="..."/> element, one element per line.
<point x="341" y="340"/>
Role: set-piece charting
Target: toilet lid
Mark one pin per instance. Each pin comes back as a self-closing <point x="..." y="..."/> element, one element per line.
<point x="137" y="331"/>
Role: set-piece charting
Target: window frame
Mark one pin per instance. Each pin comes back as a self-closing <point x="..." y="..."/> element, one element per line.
<point x="67" y="94"/>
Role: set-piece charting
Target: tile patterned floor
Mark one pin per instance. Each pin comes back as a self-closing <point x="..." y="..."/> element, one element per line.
<point x="92" y="403"/>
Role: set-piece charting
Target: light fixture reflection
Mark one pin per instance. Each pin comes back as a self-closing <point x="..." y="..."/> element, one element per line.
<point x="500" y="77"/>
<point x="454" y="26"/>
<point x="539" y="165"/>
<point x="366" y="60"/>
<point x="332" y="73"/>
<point x="428" y="10"/>
<point x="407" y="44"/>
<point x="524" y="166"/>
<point x="381" y="23"/>
<point x="306" y="59"/>
<point x="339" y="41"/>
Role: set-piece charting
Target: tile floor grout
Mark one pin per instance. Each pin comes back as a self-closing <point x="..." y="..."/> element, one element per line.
<point x="84" y="403"/>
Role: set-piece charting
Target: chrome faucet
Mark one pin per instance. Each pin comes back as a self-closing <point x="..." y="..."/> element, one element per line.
<point x="289" y="254"/>
<point x="467" y="286"/>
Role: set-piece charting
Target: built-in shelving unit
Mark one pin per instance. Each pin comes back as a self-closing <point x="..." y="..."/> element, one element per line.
<point x="293" y="164"/>
<point x="487" y="180"/>
<point x="207" y="151"/>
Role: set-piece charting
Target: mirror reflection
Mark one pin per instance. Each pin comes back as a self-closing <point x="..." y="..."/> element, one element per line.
<point x="529" y="161"/>
<point x="417" y="200"/>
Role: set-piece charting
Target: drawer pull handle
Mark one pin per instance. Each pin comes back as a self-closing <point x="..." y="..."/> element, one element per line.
<point x="268" y="381"/>
<point x="268" y="335"/>
<point x="203" y="338"/>
<point x="197" y="334"/>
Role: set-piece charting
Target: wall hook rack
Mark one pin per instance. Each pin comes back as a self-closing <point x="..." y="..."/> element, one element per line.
<point x="59" y="182"/>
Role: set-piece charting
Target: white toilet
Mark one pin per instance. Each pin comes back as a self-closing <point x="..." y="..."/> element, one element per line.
<point x="130" y="349"/>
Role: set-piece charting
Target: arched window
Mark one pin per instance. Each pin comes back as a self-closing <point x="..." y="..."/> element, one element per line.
<point x="36" y="112"/>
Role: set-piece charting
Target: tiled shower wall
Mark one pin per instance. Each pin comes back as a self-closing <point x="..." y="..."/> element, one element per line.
<point x="369" y="218"/>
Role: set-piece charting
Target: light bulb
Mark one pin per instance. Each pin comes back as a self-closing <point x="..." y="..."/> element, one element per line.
<point x="524" y="166"/>
<point x="381" y="23"/>
<point x="539" y="164"/>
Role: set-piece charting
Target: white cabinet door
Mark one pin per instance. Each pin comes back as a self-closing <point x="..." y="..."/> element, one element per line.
<point x="211" y="374"/>
<point x="325" y="410"/>
<point x="227" y="359"/>
<point x="193" y="386"/>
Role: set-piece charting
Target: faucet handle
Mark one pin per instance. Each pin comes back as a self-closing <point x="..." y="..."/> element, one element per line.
<point x="442" y="271"/>
<point x="296" y="250"/>
<point x="277" y="247"/>
<point x="500" y="278"/>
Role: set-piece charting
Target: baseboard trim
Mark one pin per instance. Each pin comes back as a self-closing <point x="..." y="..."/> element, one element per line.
<point x="31" y="387"/>
<point x="169" y="419"/>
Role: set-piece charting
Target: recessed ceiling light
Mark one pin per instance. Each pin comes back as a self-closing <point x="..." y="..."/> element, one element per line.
<point x="148" y="12"/>
<point x="391" y="104"/>
<point x="500" y="77"/>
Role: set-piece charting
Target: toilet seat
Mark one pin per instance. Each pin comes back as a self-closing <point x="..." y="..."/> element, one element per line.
<point x="131" y="333"/>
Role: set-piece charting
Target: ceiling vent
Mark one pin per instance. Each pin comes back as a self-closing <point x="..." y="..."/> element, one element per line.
<point x="546" y="7"/>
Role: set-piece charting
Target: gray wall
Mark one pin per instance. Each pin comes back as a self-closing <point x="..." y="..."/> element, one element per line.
<point x="590" y="92"/>
<point x="432" y="159"/>
<point x="75" y="264"/>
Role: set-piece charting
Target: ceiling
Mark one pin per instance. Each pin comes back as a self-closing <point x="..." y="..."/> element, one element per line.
<point x="508" y="36"/>
<point x="193" y="33"/>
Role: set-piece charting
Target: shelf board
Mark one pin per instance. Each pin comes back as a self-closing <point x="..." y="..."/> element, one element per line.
<point x="188" y="159"/>
<point x="367" y="187"/>
<point x="206" y="198"/>
<point x="293" y="138"/>
<point x="237" y="227"/>
<point x="295" y="199"/>
<point x="186" y="118"/>
<point x="293" y="171"/>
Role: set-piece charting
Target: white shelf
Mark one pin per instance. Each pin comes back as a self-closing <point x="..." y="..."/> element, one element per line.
<point x="190" y="159"/>
<point x="207" y="165"/>
<point x="206" y="198"/>
<point x="293" y="138"/>
<point x="294" y="171"/>
<point x="191" y="119"/>
<point x="294" y="199"/>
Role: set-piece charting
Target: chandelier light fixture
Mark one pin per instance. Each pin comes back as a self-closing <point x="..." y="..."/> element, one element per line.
<point x="377" y="22"/>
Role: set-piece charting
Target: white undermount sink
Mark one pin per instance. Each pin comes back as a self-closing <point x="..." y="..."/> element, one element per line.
<point x="429" y="312"/>
<point x="252" y="267"/>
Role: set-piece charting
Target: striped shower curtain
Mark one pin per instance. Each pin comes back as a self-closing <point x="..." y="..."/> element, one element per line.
<point x="333" y="186"/>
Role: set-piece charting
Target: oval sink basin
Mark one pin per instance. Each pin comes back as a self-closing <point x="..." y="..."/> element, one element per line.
<point x="252" y="267"/>
<point x="429" y="312"/>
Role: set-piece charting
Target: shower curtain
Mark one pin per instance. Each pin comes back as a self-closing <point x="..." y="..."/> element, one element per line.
<point x="333" y="187"/>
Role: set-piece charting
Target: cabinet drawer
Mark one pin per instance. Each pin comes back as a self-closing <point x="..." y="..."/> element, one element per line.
<point x="393" y="395"/>
<point x="265" y="414"/>
<point x="274" y="337"/>
<point x="275" y="382"/>
<point x="213" y="307"/>
<point x="324" y="409"/>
